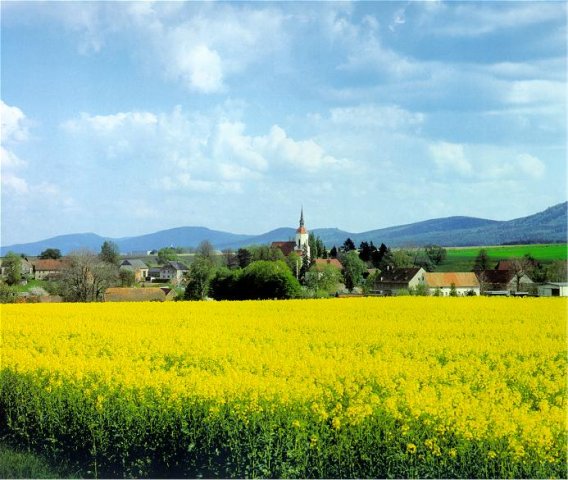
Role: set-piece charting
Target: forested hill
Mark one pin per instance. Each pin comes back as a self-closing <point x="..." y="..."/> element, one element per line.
<point x="548" y="226"/>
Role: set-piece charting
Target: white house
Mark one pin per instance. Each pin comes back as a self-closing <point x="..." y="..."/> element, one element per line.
<point x="559" y="289"/>
<point x="173" y="271"/>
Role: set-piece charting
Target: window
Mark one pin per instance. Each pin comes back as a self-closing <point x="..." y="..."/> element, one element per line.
<point x="555" y="292"/>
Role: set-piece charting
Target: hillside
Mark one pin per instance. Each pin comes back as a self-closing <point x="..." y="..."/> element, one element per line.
<point x="548" y="226"/>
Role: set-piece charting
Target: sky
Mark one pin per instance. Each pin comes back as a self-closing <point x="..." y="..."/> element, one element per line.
<point x="125" y="118"/>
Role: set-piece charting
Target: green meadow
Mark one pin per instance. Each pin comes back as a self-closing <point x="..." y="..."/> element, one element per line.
<point x="461" y="259"/>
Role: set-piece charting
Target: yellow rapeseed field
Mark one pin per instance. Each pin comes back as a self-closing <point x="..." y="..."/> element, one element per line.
<point x="368" y="387"/>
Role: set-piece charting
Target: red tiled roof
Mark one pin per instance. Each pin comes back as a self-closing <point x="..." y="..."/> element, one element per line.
<point x="286" y="247"/>
<point x="49" y="265"/>
<point x="445" y="279"/>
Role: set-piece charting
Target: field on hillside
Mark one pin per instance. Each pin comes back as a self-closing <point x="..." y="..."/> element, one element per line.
<point x="349" y="388"/>
<point x="461" y="259"/>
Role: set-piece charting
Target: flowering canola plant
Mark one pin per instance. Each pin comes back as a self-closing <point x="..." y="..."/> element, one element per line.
<point x="358" y="387"/>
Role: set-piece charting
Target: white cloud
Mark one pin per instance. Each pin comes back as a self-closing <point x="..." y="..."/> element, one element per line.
<point x="14" y="184"/>
<point x="111" y="123"/>
<point x="537" y="92"/>
<point x="531" y="166"/>
<point x="475" y="19"/>
<point x="197" y="152"/>
<point x="450" y="157"/>
<point x="199" y="68"/>
<point x="391" y="117"/>
<point x="14" y="127"/>
<point x="9" y="160"/>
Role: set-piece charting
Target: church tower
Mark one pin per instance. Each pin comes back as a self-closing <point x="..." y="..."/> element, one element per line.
<point x="302" y="236"/>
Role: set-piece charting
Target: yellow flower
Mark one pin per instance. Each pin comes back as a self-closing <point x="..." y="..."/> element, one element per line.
<point x="336" y="423"/>
<point x="411" y="448"/>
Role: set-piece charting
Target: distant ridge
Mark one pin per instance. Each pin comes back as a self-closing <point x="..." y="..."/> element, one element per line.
<point x="548" y="226"/>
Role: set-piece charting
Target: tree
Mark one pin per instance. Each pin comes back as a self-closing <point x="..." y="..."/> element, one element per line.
<point x="244" y="257"/>
<point x="230" y="260"/>
<point x="402" y="259"/>
<point x="323" y="280"/>
<point x="266" y="252"/>
<point x="201" y="272"/>
<point x="453" y="291"/>
<point x="520" y="267"/>
<point x="353" y="269"/>
<point x="333" y="252"/>
<point x="348" y="245"/>
<point x="366" y="250"/>
<point x="294" y="262"/>
<point x="206" y="250"/>
<point x="268" y="279"/>
<point x="306" y="262"/>
<point x="127" y="277"/>
<point x="557" y="271"/>
<point x="378" y="255"/>
<point x="13" y="267"/>
<point x="50" y="254"/>
<point x="7" y="294"/>
<point x="167" y="254"/>
<point x="86" y="277"/>
<point x="481" y="261"/>
<point x="225" y="284"/>
<point x="110" y="253"/>
<point x="435" y="253"/>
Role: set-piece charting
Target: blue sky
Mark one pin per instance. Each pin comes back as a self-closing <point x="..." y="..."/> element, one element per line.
<point x="123" y="118"/>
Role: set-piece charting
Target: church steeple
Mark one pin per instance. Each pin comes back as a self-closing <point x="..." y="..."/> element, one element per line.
<point x="302" y="236"/>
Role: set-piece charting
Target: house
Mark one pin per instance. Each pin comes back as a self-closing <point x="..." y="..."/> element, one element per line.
<point x="48" y="269"/>
<point x="553" y="289"/>
<point x="173" y="271"/>
<point x="443" y="282"/>
<point x="300" y="243"/>
<point x="150" y="294"/>
<point x="503" y="281"/>
<point x="26" y="267"/>
<point x="393" y="279"/>
<point x="320" y="263"/>
<point x="139" y="268"/>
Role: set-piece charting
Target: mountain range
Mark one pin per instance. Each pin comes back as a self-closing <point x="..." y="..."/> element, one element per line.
<point x="548" y="226"/>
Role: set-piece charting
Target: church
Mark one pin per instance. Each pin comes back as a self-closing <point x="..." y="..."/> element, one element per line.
<point x="300" y="244"/>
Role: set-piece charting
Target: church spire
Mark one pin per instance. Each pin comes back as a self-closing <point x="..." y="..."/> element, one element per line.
<point x="302" y="217"/>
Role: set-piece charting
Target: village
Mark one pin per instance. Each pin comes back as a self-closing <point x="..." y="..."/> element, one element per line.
<point x="347" y="271"/>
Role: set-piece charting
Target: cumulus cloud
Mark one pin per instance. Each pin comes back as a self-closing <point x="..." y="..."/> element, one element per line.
<point x="14" y="128"/>
<point x="206" y="153"/>
<point x="450" y="157"/>
<point x="531" y="165"/>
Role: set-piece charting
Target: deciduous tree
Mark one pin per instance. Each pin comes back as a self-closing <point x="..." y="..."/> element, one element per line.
<point x="86" y="277"/>
<point x="13" y="267"/>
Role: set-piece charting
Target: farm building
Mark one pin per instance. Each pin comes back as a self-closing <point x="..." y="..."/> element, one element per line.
<point x="463" y="282"/>
<point x="553" y="290"/>
<point x="48" y="269"/>
<point x="320" y="263"/>
<point x="150" y="294"/>
<point x="394" y="279"/>
<point x="173" y="271"/>
<point x="503" y="281"/>
<point x="139" y="268"/>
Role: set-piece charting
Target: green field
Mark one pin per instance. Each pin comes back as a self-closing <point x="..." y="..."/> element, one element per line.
<point x="461" y="259"/>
